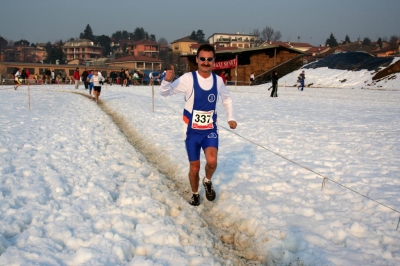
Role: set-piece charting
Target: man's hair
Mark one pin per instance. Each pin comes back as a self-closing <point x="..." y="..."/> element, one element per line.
<point x="206" y="47"/>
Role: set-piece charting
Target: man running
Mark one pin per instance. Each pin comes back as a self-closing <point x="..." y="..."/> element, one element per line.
<point x="17" y="82"/>
<point x="202" y="89"/>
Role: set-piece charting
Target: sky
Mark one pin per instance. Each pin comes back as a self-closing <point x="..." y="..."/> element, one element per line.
<point x="106" y="184"/>
<point x="312" y="20"/>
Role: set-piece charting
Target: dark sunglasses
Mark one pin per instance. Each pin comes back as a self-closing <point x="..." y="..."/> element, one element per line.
<point x="209" y="59"/>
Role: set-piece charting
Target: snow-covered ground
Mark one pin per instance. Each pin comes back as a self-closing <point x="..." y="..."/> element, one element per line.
<point x="88" y="184"/>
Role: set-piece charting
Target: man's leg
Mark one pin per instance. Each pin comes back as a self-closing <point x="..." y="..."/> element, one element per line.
<point x="194" y="175"/>
<point x="211" y="154"/>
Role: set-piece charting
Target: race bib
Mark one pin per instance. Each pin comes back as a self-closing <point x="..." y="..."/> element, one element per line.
<point x="202" y="120"/>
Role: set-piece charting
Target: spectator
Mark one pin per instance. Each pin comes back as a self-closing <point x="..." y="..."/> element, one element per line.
<point x="151" y="78"/>
<point x="53" y="77"/>
<point x="63" y="76"/>
<point x="274" y="92"/>
<point x="135" y="78"/>
<point x="76" y="78"/>
<point x="84" y="76"/>
<point x="252" y="78"/>
<point x="222" y="75"/>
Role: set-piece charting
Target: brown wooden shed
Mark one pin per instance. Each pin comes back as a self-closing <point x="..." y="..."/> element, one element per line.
<point x="260" y="61"/>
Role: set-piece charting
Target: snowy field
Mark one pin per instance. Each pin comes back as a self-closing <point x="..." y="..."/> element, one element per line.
<point x="308" y="178"/>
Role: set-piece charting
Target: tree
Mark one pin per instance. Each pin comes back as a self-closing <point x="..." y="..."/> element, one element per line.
<point x="393" y="41"/>
<point x="366" y="41"/>
<point x="152" y="37"/>
<point x="380" y="43"/>
<point x="140" y="34"/>
<point x="257" y="32"/>
<point x="347" y="39"/>
<point x="117" y="36"/>
<point x="270" y="35"/>
<point x="22" y="42"/>
<point x="200" y="37"/>
<point x="193" y="36"/>
<point x="105" y="42"/>
<point x="87" y="33"/>
<point x="124" y="35"/>
<point x="55" y="54"/>
<point x="331" y="41"/>
<point x="3" y="42"/>
<point x="162" y="40"/>
<point x="48" y="47"/>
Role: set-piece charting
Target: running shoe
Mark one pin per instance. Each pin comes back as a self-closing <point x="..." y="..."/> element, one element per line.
<point x="210" y="192"/>
<point x="195" y="200"/>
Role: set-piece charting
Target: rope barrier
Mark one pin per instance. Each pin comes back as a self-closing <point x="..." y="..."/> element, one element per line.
<point x="302" y="166"/>
<point x="305" y="167"/>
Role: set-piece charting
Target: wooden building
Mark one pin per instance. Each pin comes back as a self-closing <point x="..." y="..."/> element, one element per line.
<point x="260" y="61"/>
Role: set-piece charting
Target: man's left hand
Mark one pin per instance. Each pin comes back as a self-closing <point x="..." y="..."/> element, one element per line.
<point x="232" y="124"/>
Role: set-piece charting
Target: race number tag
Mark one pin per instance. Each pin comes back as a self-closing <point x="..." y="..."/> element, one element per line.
<point x="202" y="120"/>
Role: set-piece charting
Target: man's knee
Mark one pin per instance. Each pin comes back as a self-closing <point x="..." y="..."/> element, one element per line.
<point x="195" y="167"/>
<point x="212" y="162"/>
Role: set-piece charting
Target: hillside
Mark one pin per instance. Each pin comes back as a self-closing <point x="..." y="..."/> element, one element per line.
<point x="349" y="70"/>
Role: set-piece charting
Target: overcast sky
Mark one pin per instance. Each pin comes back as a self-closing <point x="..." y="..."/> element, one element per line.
<point x="312" y="20"/>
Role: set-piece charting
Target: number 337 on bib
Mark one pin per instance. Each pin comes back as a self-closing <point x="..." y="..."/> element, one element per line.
<point x="202" y="120"/>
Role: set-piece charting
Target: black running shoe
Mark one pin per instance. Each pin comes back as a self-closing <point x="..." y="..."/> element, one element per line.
<point x="210" y="193"/>
<point x="195" y="200"/>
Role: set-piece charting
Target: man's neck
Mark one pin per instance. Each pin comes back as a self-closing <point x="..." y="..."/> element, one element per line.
<point x="204" y="74"/>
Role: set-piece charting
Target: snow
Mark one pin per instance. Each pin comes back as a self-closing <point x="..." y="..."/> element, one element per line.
<point x="308" y="178"/>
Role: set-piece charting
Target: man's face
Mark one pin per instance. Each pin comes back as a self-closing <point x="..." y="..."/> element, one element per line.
<point x="205" y="66"/>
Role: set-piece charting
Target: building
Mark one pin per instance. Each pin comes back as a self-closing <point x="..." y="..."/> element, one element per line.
<point x="144" y="47"/>
<point x="182" y="45"/>
<point x="82" y="49"/>
<point x="304" y="47"/>
<point x="261" y="61"/>
<point x="6" y="68"/>
<point x="235" y="40"/>
<point x="136" y="62"/>
<point x="24" y="53"/>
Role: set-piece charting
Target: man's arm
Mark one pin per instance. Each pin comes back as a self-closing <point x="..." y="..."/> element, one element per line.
<point x="227" y="104"/>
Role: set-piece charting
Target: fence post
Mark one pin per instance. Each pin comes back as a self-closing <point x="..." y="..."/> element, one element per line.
<point x="29" y="98"/>
<point x="152" y="95"/>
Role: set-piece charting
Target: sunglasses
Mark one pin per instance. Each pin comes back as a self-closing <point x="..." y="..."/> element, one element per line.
<point x="209" y="59"/>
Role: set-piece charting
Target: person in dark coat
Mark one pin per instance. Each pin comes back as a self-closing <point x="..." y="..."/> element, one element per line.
<point x="274" y="92"/>
<point x="85" y="80"/>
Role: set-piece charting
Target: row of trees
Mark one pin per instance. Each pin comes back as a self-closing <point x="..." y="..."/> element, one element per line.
<point x="332" y="42"/>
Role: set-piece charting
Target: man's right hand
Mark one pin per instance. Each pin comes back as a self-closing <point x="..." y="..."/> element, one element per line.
<point x="170" y="74"/>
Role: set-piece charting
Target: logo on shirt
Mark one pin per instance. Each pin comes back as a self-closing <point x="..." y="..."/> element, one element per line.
<point x="211" y="98"/>
<point x="212" y="135"/>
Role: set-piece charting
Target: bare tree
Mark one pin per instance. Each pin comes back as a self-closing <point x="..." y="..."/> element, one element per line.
<point x="256" y="32"/>
<point x="269" y="34"/>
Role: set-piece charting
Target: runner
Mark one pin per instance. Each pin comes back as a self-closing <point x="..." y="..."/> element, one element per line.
<point x="202" y="89"/>
<point x="96" y="80"/>
<point x="17" y="82"/>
